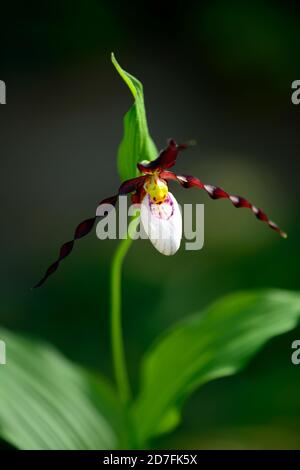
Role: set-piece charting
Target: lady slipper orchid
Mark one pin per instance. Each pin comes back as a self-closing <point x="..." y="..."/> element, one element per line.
<point x="160" y="213"/>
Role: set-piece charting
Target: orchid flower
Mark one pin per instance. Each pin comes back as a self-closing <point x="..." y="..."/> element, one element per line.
<point x="160" y="213"/>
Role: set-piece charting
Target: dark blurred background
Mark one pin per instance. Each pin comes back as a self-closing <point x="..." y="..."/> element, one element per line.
<point x="219" y="72"/>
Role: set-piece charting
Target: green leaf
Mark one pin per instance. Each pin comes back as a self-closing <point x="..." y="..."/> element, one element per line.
<point x="137" y="144"/>
<point x="216" y="343"/>
<point x="46" y="402"/>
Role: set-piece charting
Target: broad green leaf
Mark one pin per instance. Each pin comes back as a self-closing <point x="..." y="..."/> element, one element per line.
<point x="137" y="144"/>
<point x="46" y="402"/>
<point x="215" y="343"/>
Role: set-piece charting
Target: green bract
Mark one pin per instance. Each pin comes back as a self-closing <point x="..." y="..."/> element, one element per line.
<point x="136" y="144"/>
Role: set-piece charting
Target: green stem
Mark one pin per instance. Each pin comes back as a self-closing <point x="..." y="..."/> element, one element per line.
<point x="116" y="322"/>
<point x="116" y="316"/>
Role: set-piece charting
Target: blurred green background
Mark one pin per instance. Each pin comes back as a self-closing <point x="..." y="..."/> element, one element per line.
<point x="219" y="72"/>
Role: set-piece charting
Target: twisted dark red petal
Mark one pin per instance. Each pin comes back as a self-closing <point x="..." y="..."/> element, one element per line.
<point x="81" y="230"/>
<point x="218" y="193"/>
<point x="166" y="158"/>
<point x="85" y="227"/>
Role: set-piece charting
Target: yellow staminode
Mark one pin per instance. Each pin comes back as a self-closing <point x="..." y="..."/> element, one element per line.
<point x="157" y="189"/>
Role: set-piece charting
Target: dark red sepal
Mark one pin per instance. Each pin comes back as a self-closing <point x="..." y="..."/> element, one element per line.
<point x="166" y="158"/>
